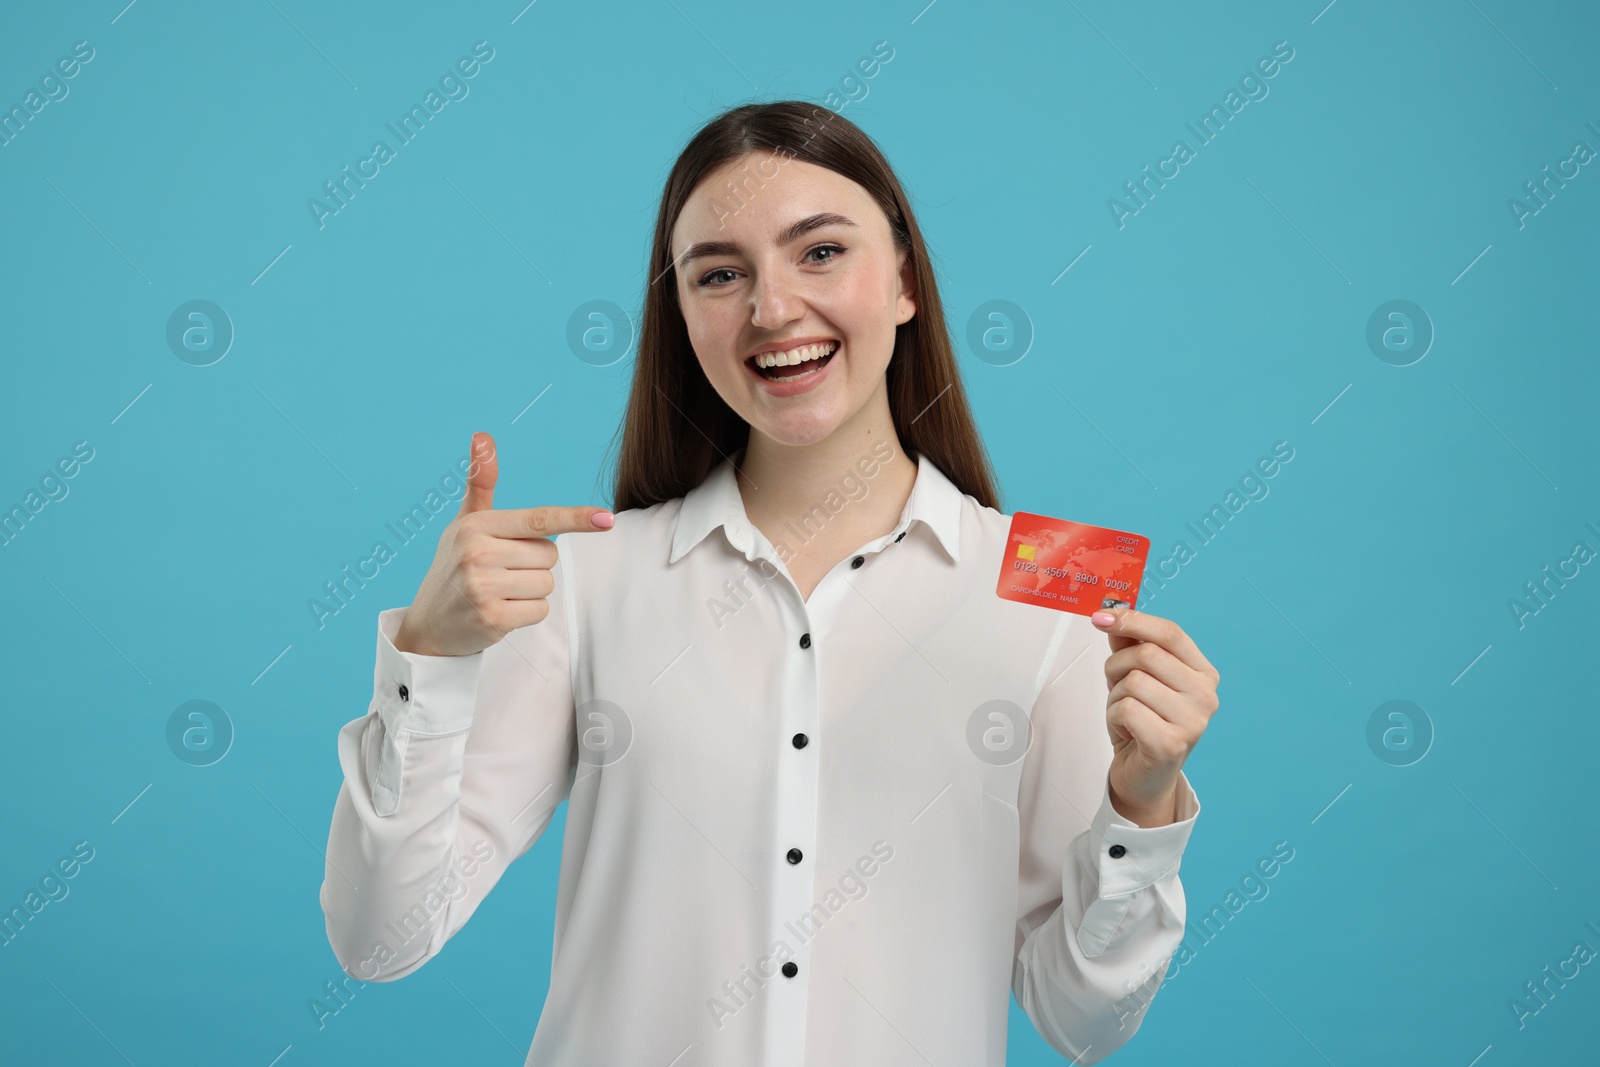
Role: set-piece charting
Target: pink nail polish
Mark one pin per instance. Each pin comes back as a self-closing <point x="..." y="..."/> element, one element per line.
<point x="603" y="519"/>
<point x="1102" y="618"/>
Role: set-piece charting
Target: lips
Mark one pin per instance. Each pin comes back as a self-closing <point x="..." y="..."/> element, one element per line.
<point x="793" y="362"/>
<point x="792" y="379"/>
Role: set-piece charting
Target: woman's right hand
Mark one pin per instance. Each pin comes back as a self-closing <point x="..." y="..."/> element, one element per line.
<point x="491" y="573"/>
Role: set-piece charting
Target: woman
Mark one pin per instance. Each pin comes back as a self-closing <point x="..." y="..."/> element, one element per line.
<point x="832" y="799"/>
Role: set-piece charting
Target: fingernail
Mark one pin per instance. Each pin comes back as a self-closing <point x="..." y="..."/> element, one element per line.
<point x="1102" y="618"/>
<point x="603" y="519"/>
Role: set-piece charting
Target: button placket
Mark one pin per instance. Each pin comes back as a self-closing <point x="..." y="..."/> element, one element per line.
<point x="792" y="878"/>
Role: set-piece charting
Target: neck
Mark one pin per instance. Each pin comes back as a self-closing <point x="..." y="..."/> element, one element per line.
<point x="791" y="492"/>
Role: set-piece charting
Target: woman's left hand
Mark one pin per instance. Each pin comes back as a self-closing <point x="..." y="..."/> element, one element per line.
<point x="1163" y="692"/>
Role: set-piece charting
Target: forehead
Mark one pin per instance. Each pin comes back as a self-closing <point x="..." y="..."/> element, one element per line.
<point x="749" y="199"/>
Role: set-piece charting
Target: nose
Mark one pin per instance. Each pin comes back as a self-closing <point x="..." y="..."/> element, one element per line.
<point x="773" y="302"/>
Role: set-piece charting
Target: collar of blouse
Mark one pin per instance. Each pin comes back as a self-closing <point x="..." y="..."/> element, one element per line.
<point x="934" y="500"/>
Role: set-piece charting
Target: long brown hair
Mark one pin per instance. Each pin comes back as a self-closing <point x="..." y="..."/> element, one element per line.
<point x="677" y="428"/>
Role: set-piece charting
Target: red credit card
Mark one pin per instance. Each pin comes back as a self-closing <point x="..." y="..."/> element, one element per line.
<point x="1071" y="566"/>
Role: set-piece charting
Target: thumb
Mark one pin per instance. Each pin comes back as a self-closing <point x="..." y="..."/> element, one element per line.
<point x="481" y="475"/>
<point x="1106" y="620"/>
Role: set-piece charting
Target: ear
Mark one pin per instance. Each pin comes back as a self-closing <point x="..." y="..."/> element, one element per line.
<point x="905" y="306"/>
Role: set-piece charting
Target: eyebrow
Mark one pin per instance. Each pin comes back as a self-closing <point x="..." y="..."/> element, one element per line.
<point x="789" y="233"/>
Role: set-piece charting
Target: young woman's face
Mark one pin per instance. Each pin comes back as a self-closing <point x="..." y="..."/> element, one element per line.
<point x="802" y="262"/>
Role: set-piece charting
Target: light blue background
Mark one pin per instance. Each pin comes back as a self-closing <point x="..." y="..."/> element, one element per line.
<point x="1230" y="313"/>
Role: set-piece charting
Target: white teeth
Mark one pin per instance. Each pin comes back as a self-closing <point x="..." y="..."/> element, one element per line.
<point x="795" y="355"/>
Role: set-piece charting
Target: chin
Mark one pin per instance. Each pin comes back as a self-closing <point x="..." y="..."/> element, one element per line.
<point x="799" y="429"/>
<point x="793" y="436"/>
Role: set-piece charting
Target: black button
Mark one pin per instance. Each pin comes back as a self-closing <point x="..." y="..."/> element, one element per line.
<point x="1117" y="852"/>
<point x="405" y="694"/>
<point x="800" y="740"/>
<point x="790" y="970"/>
<point x="805" y="640"/>
<point x="794" y="855"/>
<point x="858" y="561"/>
<point x="902" y="535"/>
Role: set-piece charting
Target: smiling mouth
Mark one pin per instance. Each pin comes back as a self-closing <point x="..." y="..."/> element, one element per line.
<point x="796" y="363"/>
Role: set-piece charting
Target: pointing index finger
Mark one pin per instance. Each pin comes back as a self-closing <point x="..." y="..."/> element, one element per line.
<point x="547" y="521"/>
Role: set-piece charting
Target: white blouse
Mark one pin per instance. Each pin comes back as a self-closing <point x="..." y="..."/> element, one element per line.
<point x="799" y="832"/>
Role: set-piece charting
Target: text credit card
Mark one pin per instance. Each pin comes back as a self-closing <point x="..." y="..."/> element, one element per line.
<point x="1071" y="566"/>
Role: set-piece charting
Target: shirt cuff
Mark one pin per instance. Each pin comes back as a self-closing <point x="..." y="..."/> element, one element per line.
<point x="1129" y="860"/>
<point x="1134" y="857"/>
<point x="430" y="695"/>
